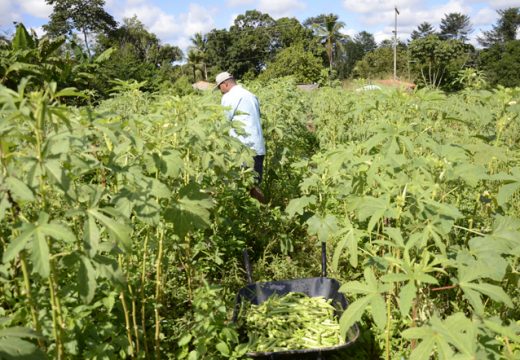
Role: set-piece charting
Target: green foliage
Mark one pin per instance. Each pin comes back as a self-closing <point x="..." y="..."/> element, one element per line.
<point x="472" y="79"/>
<point x="84" y="16"/>
<point x="327" y="28"/>
<point x="137" y="55"/>
<point x="417" y="217"/>
<point x="501" y="63"/>
<point x="294" y="61"/>
<point x="115" y="218"/>
<point x="14" y="344"/>
<point x="251" y="43"/>
<point x="424" y="29"/>
<point x="505" y="30"/>
<point x="379" y="64"/>
<point x="455" y="26"/>
<point x="437" y="61"/>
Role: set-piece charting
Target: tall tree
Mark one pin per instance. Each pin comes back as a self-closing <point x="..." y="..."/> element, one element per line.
<point x="423" y="30"/>
<point x="505" y="30"/>
<point x="218" y="45"/>
<point x="294" y="61"/>
<point x="455" y="26"/>
<point x="197" y="52"/>
<point x="501" y="62"/>
<point x="139" y="54"/>
<point x="353" y="51"/>
<point x="289" y="31"/>
<point x="84" y="16"/>
<point x="327" y="28"/>
<point x="366" y="41"/>
<point x="438" y="61"/>
<point x="252" y="44"/>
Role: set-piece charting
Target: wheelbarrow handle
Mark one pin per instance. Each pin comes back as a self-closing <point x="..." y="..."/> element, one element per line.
<point x="323" y="259"/>
<point x="247" y="265"/>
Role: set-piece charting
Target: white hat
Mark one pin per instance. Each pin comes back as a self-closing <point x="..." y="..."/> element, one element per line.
<point x="223" y="76"/>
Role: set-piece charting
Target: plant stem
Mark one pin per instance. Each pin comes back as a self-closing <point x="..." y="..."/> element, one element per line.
<point x="134" y="320"/>
<point x="469" y="230"/>
<point x="56" y="315"/>
<point x="127" y="324"/>
<point x="128" y="327"/>
<point x="143" y="296"/>
<point x="388" y="325"/>
<point x="27" y="283"/>
<point x="158" y="291"/>
<point x="444" y="288"/>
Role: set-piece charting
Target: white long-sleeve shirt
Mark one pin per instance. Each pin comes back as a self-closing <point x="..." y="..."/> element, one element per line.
<point x="243" y="106"/>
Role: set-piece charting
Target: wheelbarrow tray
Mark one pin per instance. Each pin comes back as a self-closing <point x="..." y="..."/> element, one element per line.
<point x="325" y="287"/>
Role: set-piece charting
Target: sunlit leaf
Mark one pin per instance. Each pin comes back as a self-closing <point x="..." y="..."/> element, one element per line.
<point x="19" y="190"/>
<point x="323" y="227"/>
<point x="19" y="243"/>
<point x="86" y="280"/>
<point x="40" y="254"/>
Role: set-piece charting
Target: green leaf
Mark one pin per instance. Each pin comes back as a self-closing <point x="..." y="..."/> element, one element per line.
<point x="355" y="287"/>
<point x="104" y="56"/>
<point x="58" y="231"/>
<point x="22" y="40"/>
<point x="395" y="234"/>
<point x="496" y="326"/>
<point x="298" y="205"/>
<point x="506" y="191"/>
<point x="19" y="243"/>
<point x="19" y="331"/>
<point x="349" y="241"/>
<point x="4" y="205"/>
<point x="353" y="314"/>
<point x="40" y="255"/>
<point x="189" y="214"/>
<point x="86" y="280"/>
<point x="55" y="171"/>
<point x="19" y="190"/>
<point x="70" y="91"/>
<point x="494" y="292"/>
<point x="120" y="232"/>
<point x="378" y="305"/>
<point x="223" y="348"/>
<point x="91" y="236"/>
<point x="406" y="297"/>
<point x="185" y="340"/>
<point x="371" y="207"/>
<point x="474" y="299"/>
<point x="14" y="348"/>
<point x="424" y="350"/>
<point x="323" y="227"/>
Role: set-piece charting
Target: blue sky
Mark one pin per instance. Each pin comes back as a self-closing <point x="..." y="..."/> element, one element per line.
<point x="174" y="22"/>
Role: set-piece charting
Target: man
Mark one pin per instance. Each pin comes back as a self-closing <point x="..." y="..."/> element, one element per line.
<point x="243" y="106"/>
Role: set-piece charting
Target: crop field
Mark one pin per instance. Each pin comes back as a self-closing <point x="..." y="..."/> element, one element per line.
<point x="123" y="224"/>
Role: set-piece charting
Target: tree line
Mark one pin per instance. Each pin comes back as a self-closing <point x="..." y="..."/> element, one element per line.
<point x="85" y="47"/>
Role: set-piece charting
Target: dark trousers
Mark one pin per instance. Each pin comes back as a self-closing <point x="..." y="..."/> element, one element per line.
<point x="259" y="167"/>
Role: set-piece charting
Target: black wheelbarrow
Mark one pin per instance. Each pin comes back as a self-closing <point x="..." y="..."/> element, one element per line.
<point x="258" y="292"/>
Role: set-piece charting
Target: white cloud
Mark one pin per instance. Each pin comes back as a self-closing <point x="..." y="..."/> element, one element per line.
<point x="173" y="29"/>
<point x="484" y="17"/>
<point x="372" y="7"/>
<point x="236" y="3"/>
<point x="281" y="8"/>
<point x="36" y="8"/>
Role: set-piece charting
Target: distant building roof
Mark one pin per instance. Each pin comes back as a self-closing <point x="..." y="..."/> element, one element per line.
<point x="202" y="85"/>
<point x="397" y="83"/>
<point x="307" y="87"/>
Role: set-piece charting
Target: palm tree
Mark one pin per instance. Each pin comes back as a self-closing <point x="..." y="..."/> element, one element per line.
<point x="195" y="61"/>
<point x="327" y="29"/>
<point x="198" y="52"/>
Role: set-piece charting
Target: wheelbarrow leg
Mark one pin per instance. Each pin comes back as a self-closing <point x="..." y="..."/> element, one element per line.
<point x="247" y="265"/>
